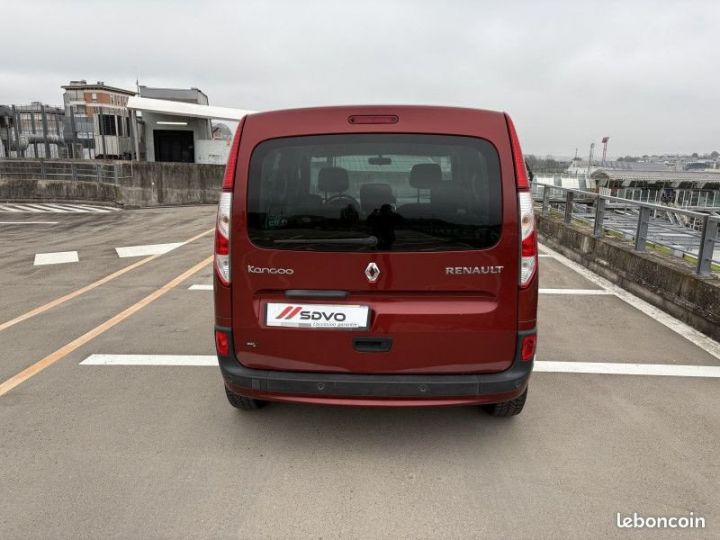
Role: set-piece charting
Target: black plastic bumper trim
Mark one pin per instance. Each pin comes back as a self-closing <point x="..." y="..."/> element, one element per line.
<point x="375" y="385"/>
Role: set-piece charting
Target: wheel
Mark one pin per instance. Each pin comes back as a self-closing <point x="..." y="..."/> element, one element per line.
<point x="507" y="408"/>
<point x="242" y="402"/>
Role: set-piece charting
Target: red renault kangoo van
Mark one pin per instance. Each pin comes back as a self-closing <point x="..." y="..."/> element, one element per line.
<point x="376" y="255"/>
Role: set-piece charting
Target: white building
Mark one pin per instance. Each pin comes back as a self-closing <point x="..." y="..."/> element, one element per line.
<point x="184" y="138"/>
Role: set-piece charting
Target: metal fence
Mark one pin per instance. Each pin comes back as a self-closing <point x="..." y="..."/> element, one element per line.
<point x="690" y="234"/>
<point x="686" y="198"/>
<point x="85" y="171"/>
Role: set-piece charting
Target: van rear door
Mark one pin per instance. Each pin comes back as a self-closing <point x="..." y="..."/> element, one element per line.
<point x="383" y="251"/>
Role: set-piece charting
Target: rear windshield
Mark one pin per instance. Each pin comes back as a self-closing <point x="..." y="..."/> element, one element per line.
<point x="375" y="192"/>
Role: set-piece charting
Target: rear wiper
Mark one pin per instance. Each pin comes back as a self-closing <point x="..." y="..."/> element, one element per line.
<point x="367" y="241"/>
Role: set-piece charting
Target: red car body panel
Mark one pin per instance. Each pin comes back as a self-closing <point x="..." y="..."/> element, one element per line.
<point x="439" y="323"/>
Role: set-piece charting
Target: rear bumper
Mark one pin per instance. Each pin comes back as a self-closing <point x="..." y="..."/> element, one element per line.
<point x="376" y="389"/>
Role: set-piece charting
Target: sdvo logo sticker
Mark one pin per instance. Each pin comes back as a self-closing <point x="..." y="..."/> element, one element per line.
<point x="316" y="315"/>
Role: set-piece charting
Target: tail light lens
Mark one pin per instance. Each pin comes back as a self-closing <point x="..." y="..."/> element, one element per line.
<point x="528" y="233"/>
<point x="222" y="344"/>
<point x="222" y="227"/>
<point x="222" y="238"/>
<point x="527" y="349"/>
<point x="528" y="239"/>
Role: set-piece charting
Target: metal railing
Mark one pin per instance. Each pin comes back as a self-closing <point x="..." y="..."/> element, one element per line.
<point x="644" y="222"/>
<point x="76" y="170"/>
<point x="686" y="198"/>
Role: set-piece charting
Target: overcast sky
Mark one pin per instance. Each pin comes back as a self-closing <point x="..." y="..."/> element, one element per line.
<point x="645" y="73"/>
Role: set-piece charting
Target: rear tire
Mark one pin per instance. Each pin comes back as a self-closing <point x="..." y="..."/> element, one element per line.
<point x="507" y="408"/>
<point x="243" y="403"/>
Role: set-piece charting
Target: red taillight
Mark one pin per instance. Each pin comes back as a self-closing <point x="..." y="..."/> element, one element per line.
<point x="222" y="344"/>
<point x="229" y="178"/>
<point x="222" y="238"/>
<point x="529" y="245"/>
<point x="527" y="349"/>
<point x="222" y="244"/>
<point x="528" y="239"/>
<point x="521" y="175"/>
<point x="528" y="233"/>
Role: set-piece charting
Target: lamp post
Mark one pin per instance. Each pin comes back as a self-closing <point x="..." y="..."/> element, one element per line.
<point x="592" y="149"/>
<point x="604" y="141"/>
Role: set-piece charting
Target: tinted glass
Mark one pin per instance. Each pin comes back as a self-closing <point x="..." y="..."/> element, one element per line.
<point x="377" y="192"/>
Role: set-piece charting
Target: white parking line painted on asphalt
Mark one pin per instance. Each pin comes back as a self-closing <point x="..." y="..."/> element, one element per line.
<point x="597" y="368"/>
<point x="19" y="208"/>
<point x="57" y="208"/>
<point x="149" y="360"/>
<point x="79" y="208"/>
<point x="200" y="287"/>
<point x="150" y="249"/>
<point x="699" y="339"/>
<point x="606" y="368"/>
<point x="41" y="207"/>
<point x="105" y="208"/>
<point x="28" y="222"/>
<point x="97" y="209"/>
<point x="60" y="257"/>
<point x="588" y="292"/>
<point x="22" y="208"/>
<point x="26" y="208"/>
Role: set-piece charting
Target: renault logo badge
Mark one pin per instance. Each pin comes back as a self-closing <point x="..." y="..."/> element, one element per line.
<point x="372" y="272"/>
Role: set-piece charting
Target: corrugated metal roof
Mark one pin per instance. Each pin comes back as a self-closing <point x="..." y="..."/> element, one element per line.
<point x="636" y="166"/>
<point x="657" y="176"/>
<point x="624" y="165"/>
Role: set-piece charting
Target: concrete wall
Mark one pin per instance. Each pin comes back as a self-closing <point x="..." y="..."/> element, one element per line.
<point x="138" y="184"/>
<point x="150" y="184"/>
<point x="667" y="283"/>
<point x="21" y="189"/>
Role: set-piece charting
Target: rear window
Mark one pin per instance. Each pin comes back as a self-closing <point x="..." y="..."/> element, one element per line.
<point x="375" y="192"/>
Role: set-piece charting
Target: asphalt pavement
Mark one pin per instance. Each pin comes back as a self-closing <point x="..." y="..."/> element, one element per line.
<point x="155" y="451"/>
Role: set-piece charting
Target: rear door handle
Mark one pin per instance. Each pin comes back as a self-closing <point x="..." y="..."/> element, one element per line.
<point x="372" y="344"/>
